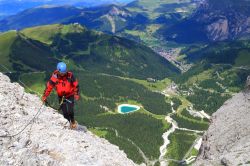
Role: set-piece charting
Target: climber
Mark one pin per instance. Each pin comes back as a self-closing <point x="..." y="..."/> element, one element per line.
<point x="67" y="89"/>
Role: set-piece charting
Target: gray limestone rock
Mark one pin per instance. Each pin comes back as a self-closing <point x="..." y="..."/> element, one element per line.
<point x="227" y="141"/>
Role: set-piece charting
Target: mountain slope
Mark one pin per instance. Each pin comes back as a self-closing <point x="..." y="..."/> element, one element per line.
<point x="236" y="53"/>
<point x="6" y="41"/>
<point x="46" y="141"/>
<point x="86" y="49"/>
<point x="38" y="16"/>
<point x="12" y="7"/>
<point x="227" y="140"/>
<point x="104" y="18"/>
<point x="138" y="20"/>
<point x="154" y="9"/>
<point x="108" y="18"/>
<point x="213" y="21"/>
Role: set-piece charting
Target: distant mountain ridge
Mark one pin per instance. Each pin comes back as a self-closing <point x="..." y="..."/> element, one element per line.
<point x="110" y="19"/>
<point x="214" y="21"/>
<point x="44" y="15"/>
<point x="134" y="16"/>
<point x="14" y="6"/>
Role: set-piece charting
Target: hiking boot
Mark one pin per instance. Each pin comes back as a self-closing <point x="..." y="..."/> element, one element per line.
<point x="73" y="124"/>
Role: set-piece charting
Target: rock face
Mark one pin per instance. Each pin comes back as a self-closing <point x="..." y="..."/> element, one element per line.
<point x="248" y="83"/>
<point x="46" y="141"/>
<point x="227" y="141"/>
<point x="224" y="21"/>
<point x="115" y="11"/>
<point x="213" y="20"/>
<point x="218" y="30"/>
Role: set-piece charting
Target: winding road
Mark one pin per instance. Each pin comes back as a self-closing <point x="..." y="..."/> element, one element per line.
<point x="163" y="149"/>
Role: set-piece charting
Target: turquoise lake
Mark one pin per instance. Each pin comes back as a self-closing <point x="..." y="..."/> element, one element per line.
<point x="127" y="108"/>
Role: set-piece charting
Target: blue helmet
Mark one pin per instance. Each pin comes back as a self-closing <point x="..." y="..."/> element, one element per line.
<point x="61" y="67"/>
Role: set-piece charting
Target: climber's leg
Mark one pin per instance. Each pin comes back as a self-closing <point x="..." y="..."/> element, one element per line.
<point x="70" y="109"/>
<point x="64" y="109"/>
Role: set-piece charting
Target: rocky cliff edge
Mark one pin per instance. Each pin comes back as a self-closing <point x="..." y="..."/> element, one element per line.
<point x="227" y="141"/>
<point x="46" y="141"/>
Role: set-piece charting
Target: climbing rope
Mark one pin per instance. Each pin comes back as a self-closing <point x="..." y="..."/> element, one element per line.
<point x="33" y="119"/>
<point x="30" y="122"/>
<point x="38" y="112"/>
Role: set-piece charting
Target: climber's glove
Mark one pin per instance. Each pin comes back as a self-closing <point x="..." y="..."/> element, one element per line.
<point x="44" y="99"/>
<point x="77" y="97"/>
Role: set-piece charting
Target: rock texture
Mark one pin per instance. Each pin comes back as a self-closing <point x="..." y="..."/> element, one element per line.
<point x="212" y="21"/>
<point x="227" y="141"/>
<point x="46" y="142"/>
<point x="248" y="83"/>
<point x="224" y="20"/>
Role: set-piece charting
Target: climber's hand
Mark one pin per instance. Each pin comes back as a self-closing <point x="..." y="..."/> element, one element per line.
<point x="44" y="99"/>
<point x="77" y="97"/>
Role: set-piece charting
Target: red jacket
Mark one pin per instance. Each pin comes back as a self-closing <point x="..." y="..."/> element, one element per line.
<point x="65" y="85"/>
